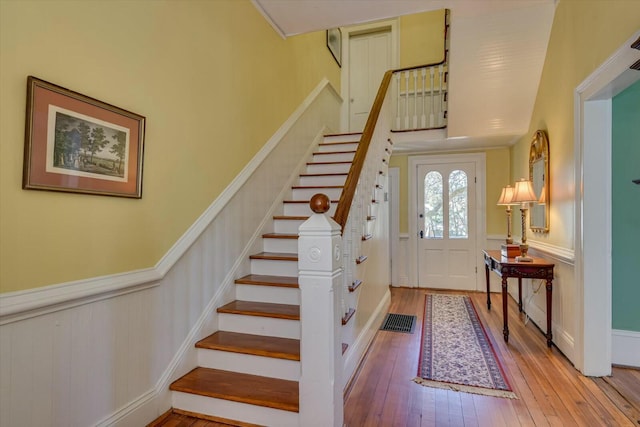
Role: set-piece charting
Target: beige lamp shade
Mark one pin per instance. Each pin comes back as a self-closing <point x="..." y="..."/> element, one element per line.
<point x="523" y="192"/>
<point x="506" y="197"/>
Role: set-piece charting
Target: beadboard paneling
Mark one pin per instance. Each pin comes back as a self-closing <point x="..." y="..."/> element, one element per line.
<point x="106" y="356"/>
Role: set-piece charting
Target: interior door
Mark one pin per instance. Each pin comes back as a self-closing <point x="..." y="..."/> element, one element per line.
<point x="369" y="59"/>
<point x="446" y="222"/>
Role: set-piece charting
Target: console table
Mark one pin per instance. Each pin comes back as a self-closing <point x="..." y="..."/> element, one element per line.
<point x="509" y="267"/>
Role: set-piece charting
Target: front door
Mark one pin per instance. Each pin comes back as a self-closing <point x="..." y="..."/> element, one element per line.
<point x="446" y="226"/>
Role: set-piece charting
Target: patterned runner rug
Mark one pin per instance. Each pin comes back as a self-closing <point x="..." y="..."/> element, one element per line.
<point x="456" y="353"/>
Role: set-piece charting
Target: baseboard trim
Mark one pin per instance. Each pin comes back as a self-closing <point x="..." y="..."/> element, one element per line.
<point x="22" y="305"/>
<point x="625" y="348"/>
<point x="561" y="338"/>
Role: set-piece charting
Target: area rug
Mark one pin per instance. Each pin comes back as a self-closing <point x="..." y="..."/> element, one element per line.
<point x="456" y="353"/>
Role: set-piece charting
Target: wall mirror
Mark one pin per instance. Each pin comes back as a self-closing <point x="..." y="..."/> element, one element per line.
<point x="539" y="176"/>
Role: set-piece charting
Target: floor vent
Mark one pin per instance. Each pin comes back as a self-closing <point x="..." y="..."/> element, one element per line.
<point x="399" y="323"/>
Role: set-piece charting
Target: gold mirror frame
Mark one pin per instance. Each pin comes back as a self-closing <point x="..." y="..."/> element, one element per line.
<point x="539" y="176"/>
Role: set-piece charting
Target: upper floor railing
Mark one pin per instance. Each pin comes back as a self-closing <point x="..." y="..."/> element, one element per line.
<point x="420" y="93"/>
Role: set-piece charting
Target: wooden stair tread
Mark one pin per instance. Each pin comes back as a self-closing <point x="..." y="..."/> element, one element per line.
<point x="322" y="153"/>
<point x="329" y="163"/>
<point x="303" y="187"/>
<point x="277" y="256"/>
<point x="323" y="174"/>
<point x="290" y="217"/>
<point x="252" y="389"/>
<point x="348" y="316"/>
<point x="262" y="309"/>
<point x="279" y="236"/>
<point x="342" y="134"/>
<point x="264" y="280"/>
<point x="279" y="348"/>
<point x="305" y="201"/>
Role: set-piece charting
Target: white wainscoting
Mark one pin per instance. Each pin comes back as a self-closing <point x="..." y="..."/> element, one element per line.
<point x="401" y="261"/>
<point x="103" y="351"/>
<point x="625" y="348"/>
<point x="534" y="293"/>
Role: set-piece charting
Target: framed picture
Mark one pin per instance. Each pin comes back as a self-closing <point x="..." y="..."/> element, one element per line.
<point x="78" y="144"/>
<point x="334" y="43"/>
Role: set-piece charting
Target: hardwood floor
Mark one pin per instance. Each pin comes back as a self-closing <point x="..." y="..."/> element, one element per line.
<point x="550" y="391"/>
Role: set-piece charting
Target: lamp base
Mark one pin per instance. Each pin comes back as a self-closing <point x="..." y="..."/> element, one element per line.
<point x="509" y="250"/>
<point x="524" y="259"/>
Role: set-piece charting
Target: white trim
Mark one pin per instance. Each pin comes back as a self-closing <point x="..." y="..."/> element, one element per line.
<point x="350" y="31"/>
<point x="561" y="338"/>
<point x="625" y="348"/>
<point x="268" y="18"/>
<point x="394" y="194"/>
<point x="592" y="154"/>
<point x="33" y="302"/>
<point x="558" y="253"/>
<point x="480" y="162"/>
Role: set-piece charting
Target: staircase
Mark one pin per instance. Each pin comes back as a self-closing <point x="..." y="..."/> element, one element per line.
<point x="248" y="371"/>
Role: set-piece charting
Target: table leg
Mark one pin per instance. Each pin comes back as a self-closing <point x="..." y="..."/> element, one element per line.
<point x="520" y="294"/>
<point x="505" y="301"/>
<point x="486" y="272"/>
<point x="549" y="308"/>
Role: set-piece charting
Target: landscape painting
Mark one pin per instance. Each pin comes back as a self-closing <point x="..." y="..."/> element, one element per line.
<point x="83" y="146"/>
<point x="78" y="144"/>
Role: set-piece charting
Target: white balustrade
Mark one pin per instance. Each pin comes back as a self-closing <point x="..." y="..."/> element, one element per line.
<point x="419" y="98"/>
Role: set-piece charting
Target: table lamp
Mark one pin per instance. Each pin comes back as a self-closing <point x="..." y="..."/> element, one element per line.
<point x="523" y="194"/>
<point x="508" y="249"/>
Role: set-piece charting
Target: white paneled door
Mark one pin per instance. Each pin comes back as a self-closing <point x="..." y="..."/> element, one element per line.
<point x="369" y="59"/>
<point x="446" y="225"/>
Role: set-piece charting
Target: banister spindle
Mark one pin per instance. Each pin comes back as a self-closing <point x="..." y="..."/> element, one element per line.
<point x="415" y="99"/>
<point x="406" y="99"/>
<point x="423" y="120"/>
<point x="398" y="75"/>
<point x="441" y="115"/>
<point x="431" y="116"/>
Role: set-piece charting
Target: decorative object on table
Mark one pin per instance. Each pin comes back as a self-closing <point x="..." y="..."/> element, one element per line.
<point x="539" y="177"/>
<point x="75" y="143"/>
<point x="508" y="249"/>
<point x="523" y="194"/>
<point x="334" y="43"/>
<point x="456" y="352"/>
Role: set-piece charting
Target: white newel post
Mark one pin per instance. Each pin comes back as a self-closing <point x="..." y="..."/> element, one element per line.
<point x="320" y="276"/>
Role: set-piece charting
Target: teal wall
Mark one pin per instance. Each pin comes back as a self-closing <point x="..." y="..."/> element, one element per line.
<point x="626" y="209"/>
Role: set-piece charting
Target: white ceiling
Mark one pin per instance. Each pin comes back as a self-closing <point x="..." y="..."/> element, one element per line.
<point x="497" y="51"/>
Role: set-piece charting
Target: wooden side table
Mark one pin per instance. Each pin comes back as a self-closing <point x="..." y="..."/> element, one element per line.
<point x="508" y="267"/>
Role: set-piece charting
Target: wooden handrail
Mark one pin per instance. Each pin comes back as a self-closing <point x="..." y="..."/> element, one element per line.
<point x="346" y="198"/>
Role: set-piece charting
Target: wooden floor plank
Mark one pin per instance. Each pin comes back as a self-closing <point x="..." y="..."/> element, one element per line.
<point x="551" y="392"/>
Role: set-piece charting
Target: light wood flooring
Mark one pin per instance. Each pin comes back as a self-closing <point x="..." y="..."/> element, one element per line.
<point x="551" y="391"/>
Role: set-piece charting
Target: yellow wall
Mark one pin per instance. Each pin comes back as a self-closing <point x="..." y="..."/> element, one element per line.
<point x="584" y="34"/>
<point x="422" y="38"/>
<point x="214" y="82"/>
<point x="498" y="172"/>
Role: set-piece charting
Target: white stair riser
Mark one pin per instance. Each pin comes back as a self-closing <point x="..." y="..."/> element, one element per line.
<point x="295" y="209"/>
<point x="288" y="226"/>
<point x="308" y="193"/>
<point x="272" y="267"/>
<point x="249" y="364"/>
<point x="256" y="325"/>
<point x="234" y="410"/>
<point x="343" y="138"/>
<point x="333" y="157"/>
<point x="328" y="147"/>
<point x="274" y="294"/>
<point x="307" y="181"/>
<point x="328" y="168"/>
<point x="280" y="245"/>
